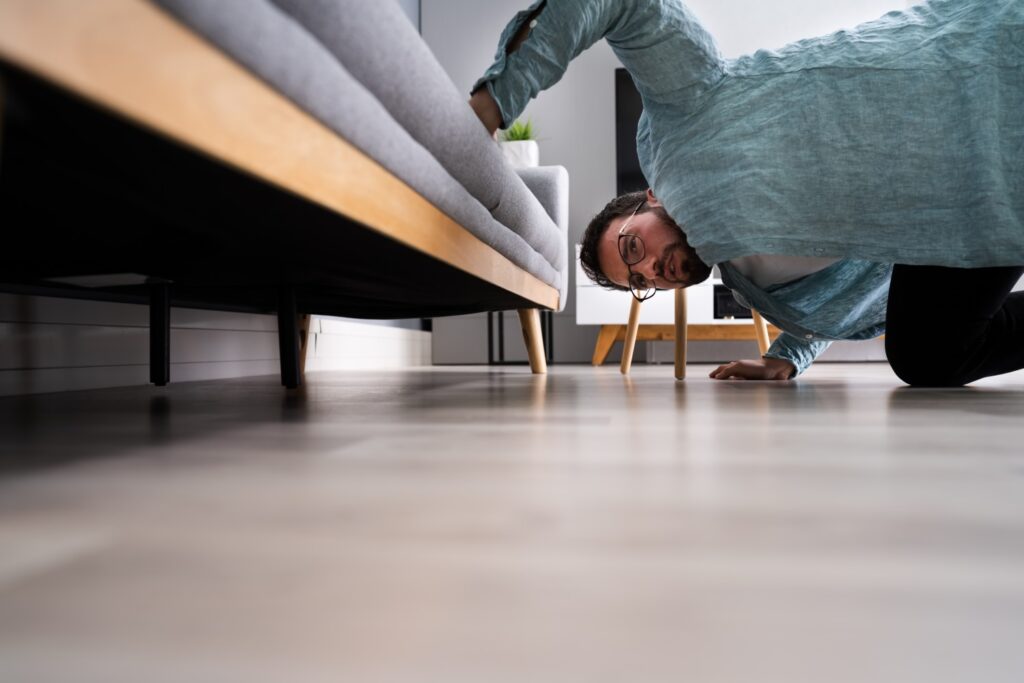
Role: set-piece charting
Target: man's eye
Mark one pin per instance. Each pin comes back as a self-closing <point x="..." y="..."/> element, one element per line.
<point x="633" y="247"/>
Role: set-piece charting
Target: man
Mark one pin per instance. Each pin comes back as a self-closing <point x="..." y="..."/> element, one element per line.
<point x="804" y="174"/>
<point x="634" y="242"/>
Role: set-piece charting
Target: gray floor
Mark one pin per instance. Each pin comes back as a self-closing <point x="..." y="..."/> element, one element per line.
<point x="457" y="524"/>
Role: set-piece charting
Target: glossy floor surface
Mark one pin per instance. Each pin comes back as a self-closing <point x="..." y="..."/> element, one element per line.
<point x="460" y="524"/>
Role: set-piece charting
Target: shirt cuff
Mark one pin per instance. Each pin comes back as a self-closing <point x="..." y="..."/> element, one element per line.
<point x="799" y="352"/>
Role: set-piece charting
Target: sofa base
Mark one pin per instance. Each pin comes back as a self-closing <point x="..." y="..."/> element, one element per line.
<point x="84" y="194"/>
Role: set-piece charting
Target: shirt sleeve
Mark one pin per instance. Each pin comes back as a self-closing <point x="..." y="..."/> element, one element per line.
<point x="670" y="56"/>
<point x="800" y="352"/>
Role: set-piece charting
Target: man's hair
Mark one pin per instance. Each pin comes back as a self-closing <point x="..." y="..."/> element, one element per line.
<point x="622" y="205"/>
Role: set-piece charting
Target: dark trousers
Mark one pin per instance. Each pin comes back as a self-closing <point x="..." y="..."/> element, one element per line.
<point x="946" y="327"/>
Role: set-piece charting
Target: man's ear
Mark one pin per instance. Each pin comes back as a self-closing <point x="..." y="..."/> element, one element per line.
<point x="651" y="199"/>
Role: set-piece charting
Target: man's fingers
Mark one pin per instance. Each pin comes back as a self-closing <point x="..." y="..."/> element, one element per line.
<point x="723" y="371"/>
<point x="737" y="370"/>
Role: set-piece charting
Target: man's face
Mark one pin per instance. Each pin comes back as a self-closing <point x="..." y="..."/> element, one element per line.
<point x="669" y="262"/>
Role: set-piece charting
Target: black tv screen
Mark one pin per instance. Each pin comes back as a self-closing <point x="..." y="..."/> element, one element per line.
<point x="627" y="114"/>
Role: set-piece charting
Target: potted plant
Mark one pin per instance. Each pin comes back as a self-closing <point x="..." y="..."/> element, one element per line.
<point x="519" y="145"/>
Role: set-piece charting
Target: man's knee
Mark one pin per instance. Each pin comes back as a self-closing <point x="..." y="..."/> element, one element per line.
<point x="917" y="375"/>
<point x="917" y="362"/>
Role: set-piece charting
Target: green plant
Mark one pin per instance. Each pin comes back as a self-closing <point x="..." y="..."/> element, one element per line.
<point x="519" y="131"/>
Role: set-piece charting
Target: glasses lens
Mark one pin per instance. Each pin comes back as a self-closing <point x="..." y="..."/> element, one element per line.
<point x="631" y="249"/>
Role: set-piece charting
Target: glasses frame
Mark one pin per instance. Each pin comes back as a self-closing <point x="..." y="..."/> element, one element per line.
<point x="640" y="295"/>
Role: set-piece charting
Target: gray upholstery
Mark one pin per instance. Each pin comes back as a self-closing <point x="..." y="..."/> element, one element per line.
<point x="427" y="136"/>
<point x="550" y="185"/>
<point x="378" y="46"/>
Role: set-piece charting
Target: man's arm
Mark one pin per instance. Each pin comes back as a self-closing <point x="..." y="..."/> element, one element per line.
<point x="481" y="100"/>
<point x="660" y="43"/>
<point x="486" y="110"/>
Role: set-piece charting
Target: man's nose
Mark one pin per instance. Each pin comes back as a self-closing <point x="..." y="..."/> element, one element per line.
<point x="648" y="267"/>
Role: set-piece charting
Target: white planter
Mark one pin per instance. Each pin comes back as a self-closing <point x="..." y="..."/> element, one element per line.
<point x="521" y="153"/>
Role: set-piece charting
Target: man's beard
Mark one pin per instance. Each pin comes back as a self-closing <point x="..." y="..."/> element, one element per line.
<point x="692" y="269"/>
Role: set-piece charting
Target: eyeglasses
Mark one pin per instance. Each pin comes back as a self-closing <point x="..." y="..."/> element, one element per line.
<point x="632" y="252"/>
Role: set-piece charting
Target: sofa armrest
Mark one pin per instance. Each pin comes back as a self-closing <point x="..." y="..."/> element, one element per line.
<point x="550" y="185"/>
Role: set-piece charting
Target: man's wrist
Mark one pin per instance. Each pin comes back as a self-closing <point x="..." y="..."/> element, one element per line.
<point x="780" y="367"/>
<point x="486" y="109"/>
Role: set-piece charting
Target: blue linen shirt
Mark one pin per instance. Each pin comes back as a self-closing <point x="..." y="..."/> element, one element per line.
<point x="900" y="141"/>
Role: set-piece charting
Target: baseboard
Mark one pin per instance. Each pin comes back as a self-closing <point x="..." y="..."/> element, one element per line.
<point x="337" y="344"/>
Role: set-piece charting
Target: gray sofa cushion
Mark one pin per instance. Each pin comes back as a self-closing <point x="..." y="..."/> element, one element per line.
<point x="550" y="185"/>
<point x="381" y="49"/>
<point x="279" y="50"/>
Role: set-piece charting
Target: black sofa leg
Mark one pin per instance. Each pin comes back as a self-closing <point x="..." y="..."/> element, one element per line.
<point x="160" y="334"/>
<point x="288" y="338"/>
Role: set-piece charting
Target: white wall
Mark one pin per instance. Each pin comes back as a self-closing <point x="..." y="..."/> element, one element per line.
<point x="576" y="119"/>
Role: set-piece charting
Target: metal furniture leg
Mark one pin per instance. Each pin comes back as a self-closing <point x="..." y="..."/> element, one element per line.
<point x="160" y="334"/>
<point x="288" y="337"/>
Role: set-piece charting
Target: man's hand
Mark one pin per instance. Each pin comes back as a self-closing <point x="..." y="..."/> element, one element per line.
<point x="486" y="110"/>
<point x="763" y="368"/>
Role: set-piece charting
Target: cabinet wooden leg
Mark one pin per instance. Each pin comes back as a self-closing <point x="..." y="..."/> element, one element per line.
<point x="761" y="330"/>
<point x="629" y="344"/>
<point x="529" y="318"/>
<point x="605" y="341"/>
<point x="680" y="334"/>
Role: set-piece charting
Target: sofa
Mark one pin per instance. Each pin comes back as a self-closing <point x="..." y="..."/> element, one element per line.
<point x="297" y="156"/>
